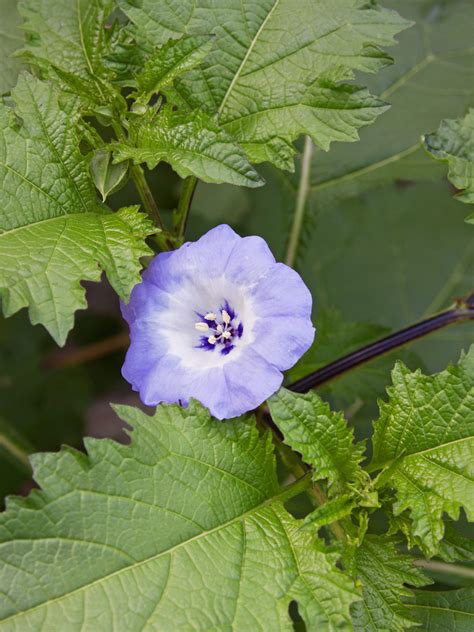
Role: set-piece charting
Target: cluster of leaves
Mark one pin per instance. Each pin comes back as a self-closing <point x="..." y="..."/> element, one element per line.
<point x="213" y="532"/>
<point x="187" y="527"/>
<point x="204" y="93"/>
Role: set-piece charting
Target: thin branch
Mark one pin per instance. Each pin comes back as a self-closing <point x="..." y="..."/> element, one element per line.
<point x="301" y="199"/>
<point x="184" y="205"/>
<point x="146" y="195"/>
<point x="16" y="451"/>
<point x="461" y="312"/>
<point x="448" y="569"/>
<point x="144" y="191"/>
<point x="87" y="353"/>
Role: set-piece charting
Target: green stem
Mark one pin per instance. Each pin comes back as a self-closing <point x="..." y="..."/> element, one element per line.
<point x="144" y="191"/>
<point x="295" y="488"/>
<point x="299" y="469"/>
<point x="449" y="569"/>
<point x="184" y="205"/>
<point x="146" y="196"/>
<point x="303" y="190"/>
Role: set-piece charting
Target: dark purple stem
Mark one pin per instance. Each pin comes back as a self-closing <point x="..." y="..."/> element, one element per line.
<point x="463" y="311"/>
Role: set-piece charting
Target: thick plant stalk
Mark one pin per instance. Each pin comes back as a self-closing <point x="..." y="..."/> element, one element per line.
<point x="461" y="312"/>
<point x="184" y="205"/>
<point x="301" y="200"/>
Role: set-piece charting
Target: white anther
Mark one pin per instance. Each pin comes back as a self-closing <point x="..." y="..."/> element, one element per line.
<point x="227" y="335"/>
<point x="225" y="317"/>
<point x="201" y="326"/>
<point x="220" y="328"/>
<point x="210" y="316"/>
<point x="212" y="340"/>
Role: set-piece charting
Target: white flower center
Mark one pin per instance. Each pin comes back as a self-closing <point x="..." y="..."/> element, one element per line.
<point x="195" y="327"/>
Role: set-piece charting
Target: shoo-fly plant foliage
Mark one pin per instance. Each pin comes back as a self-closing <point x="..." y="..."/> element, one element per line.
<point x="241" y="501"/>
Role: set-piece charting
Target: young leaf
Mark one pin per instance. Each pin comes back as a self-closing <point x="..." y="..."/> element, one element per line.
<point x="450" y="611"/>
<point x="330" y="511"/>
<point x="276" y="72"/>
<point x="425" y="438"/>
<point x="53" y="232"/>
<point x="170" y="61"/>
<point x="11" y="38"/>
<point x="454" y="143"/>
<point x="184" y="528"/>
<point x="71" y="38"/>
<point x="321" y="436"/>
<point x="384" y="573"/>
<point x="107" y="177"/>
<point x="193" y="144"/>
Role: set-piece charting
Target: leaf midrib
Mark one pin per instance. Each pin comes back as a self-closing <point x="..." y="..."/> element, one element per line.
<point x="420" y="453"/>
<point x="245" y="59"/>
<point x="284" y="494"/>
<point x="65" y="218"/>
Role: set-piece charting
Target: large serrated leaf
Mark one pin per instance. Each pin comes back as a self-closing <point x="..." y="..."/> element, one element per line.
<point x="183" y="529"/>
<point x="53" y="232"/>
<point x="71" y="38"/>
<point x="384" y="573"/>
<point x="447" y="611"/>
<point x="425" y="438"/>
<point x="434" y="64"/>
<point x="278" y="68"/>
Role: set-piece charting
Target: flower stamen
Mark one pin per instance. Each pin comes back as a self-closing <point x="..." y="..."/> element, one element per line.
<point x="201" y="326"/>
<point x="219" y="333"/>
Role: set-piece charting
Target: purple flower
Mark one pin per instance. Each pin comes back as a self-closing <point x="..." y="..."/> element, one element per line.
<point x="217" y="320"/>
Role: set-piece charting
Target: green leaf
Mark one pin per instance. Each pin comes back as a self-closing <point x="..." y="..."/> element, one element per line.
<point x="71" y="38"/>
<point x="455" y="547"/>
<point x="276" y="73"/>
<point x="11" y="39"/>
<point x="53" y="232"/>
<point x="184" y="528"/>
<point x="450" y="611"/>
<point x="321" y="436"/>
<point x="384" y="573"/>
<point x="433" y="63"/>
<point x="169" y="62"/>
<point x="193" y="144"/>
<point x="454" y="143"/>
<point x="330" y="511"/>
<point x="425" y="434"/>
<point x="107" y="177"/>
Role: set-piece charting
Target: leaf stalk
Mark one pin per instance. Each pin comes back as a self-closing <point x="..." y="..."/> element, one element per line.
<point x="462" y="311"/>
<point x="184" y="205"/>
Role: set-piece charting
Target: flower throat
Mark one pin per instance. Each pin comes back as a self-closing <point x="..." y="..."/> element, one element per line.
<point x="219" y="330"/>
